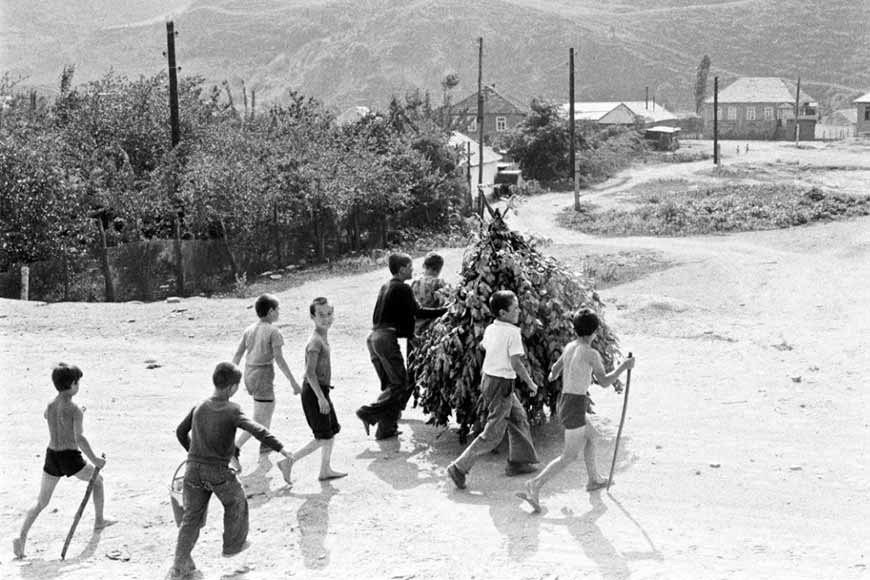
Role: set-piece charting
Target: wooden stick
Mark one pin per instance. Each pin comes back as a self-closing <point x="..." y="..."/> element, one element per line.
<point x="621" y="423"/>
<point x="81" y="509"/>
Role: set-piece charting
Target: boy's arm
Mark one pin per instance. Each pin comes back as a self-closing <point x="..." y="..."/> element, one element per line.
<point x="240" y="351"/>
<point x="82" y="441"/>
<point x="522" y="372"/>
<point x="261" y="434"/>
<point x="311" y="377"/>
<point x="557" y="368"/>
<point x="604" y="378"/>
<point x="278" y="352"/>
<point x="182" y="432"/>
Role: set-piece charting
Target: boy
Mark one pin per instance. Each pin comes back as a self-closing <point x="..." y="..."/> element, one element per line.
<point x="207" y="434"/>
<point x="263" y="343"/>
<point x="501" y="365"/>
<point x="63" y="456"/>
<point x="392" y="319"/>
<point x="577" y="364"/>
<point x="316" y="404"/>
<point x="429" y="291"/>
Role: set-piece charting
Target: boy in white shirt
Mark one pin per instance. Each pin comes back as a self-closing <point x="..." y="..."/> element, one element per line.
<point x="579" y="361"/>
<point x="501" y="365"/>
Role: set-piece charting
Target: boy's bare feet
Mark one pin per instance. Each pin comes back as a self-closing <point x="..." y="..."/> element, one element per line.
<point x="18" y="548"/>
<point x="104" y="523"/>
<point x="286" y="466"/>
<point x="531" y="497"/>
<point x="327" y="475"/>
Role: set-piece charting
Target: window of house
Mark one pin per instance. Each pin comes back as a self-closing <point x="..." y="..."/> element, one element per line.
<point x="472" y="125"/>
<point x="867" y="113"/>
<point x="750" y="113"/>
<point x="732" y="113"/>
<point x="768" y="113"/>
<point x="718" y="112"/>
<point x="501" y="123"/>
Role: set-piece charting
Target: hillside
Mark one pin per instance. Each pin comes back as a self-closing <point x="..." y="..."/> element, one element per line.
<point x="349" y="53"/>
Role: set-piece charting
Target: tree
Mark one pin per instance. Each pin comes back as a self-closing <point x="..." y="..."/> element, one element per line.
<point x="701" y="83"/>
<point x="540" y="143"/>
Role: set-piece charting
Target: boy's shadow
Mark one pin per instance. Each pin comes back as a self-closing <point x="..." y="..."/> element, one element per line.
<point x="313" y="519"/>
<point x="54" y="568"/>
<point x="407" y="469"/>
<point x="257" y="485"/>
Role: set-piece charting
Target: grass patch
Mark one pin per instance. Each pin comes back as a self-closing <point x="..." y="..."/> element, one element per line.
<point x="735" y="208"/>
<point x="611" y="269"/>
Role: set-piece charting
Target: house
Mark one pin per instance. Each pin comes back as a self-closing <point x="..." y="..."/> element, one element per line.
<point x="500" y="114"/>
<point x="491" y="160"/>
<point x="838" y="125"/>
<point x="647" y="113"/>
<point x="862" y="104"/>
<point x="761" y="108"/>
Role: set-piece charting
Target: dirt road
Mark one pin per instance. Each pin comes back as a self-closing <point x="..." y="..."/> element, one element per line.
<point x="744" y="454"/>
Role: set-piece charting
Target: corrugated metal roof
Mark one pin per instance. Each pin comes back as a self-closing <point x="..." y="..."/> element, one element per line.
<point x="595" y="110"/>
<point x="760" y="90"/>
<point x="652" y="113"/>
<point x="863" y="99"/>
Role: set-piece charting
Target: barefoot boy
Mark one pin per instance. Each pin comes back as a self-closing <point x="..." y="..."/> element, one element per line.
<point x="316" y="403"/>
<point x="263" y="343"/>
<point x="578" y="363"/>
<point x="501" y="365"/>
<point x="207" y="434"/>
<point x="63" y="458"/>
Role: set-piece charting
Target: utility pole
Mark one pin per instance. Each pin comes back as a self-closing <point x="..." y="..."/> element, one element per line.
<point x="176" y="137"/>
<point x="797" y="110"/>
<point x="571" y="151"/>
<point x="480" y="119"/>
<point x="716" y="120"/>
<point x="470" y="198"/>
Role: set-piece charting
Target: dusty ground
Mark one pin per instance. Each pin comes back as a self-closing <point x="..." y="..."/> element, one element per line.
<point x="744" y="454"/>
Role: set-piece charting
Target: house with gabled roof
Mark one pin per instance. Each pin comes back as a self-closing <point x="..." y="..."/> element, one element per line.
<point x="500" y="114"/>
<point x="647" y="113"/>
<point x="838" y="125"/>
<point x="762" y="108"/>
<point x="862" y="125"/>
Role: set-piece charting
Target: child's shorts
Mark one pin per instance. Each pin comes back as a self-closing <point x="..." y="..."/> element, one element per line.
<point x="324" y="426"/>
<point x="572" y="410"/>
<point x="66" y="462"/>
<point x="260" y="382"/>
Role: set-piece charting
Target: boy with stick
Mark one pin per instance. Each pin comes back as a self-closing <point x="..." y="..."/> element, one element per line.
<point x="63" y="456"/>
<point x="577" y="365"/>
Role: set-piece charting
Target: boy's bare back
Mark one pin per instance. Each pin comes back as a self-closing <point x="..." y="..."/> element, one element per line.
<point x="62" y="415"/>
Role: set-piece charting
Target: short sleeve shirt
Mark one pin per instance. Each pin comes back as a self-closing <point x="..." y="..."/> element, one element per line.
<point x="261" y="340"/>
<point x="319" y="348"/>
<point x="501" y="340"/>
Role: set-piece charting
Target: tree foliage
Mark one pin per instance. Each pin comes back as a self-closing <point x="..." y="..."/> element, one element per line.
<point x="447" y="368"/>
<point x="701" y="83"/>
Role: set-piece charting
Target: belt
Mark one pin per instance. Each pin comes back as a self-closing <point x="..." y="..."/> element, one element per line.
<point x="388" y="328"/>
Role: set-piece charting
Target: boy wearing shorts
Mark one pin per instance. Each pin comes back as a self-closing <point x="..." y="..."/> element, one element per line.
<point x="316" y="403"/>
<point x="262" y="345"/>
<point x="502" y="363"/>
<point x="207" y="433"/>
<point x="63" y="458"/>
<point x="577" y="365"/>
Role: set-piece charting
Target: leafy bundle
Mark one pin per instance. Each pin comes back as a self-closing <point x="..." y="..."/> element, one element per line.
<point x="447" y="362"/>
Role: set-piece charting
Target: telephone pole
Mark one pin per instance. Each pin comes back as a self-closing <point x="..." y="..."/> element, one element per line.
<point x="571" y="151"/>
<point x="716" y="120"/>
<point x="176" y="137"/>
<point x="480" y="120"/>
<point x="797" y="111"/>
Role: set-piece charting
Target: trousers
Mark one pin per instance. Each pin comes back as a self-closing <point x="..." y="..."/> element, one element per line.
<point x="386" y="356"/>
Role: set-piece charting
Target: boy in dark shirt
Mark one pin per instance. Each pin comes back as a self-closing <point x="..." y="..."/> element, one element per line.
<point x="207" y="433"/>
<point x="393" y="318"/>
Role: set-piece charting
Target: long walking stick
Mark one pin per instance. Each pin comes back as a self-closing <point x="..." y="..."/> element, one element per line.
<point x="621" y="423"/>
<point x="81" y="509"/>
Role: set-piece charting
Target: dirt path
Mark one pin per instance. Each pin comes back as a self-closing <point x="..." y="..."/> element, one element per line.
<point x="744" y="453"/>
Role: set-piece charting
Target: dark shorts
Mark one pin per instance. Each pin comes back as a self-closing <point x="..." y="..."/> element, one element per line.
<point x="66" y="462"/>
<point x="572" y="410"/>
<point x="324" y="426"/>
<point x="260" y="383"/>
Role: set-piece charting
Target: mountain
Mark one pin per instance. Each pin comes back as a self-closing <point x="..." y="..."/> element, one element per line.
<point x="362" y="52"/>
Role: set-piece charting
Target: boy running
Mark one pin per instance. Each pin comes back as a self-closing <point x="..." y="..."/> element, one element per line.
<point x="502" y="363"/>
<point x="316" y="403"/>
<point x="263" y="343"/>
<point x="577" y="365"/>
<point x="63" y="457"/>
<point x="207" y="434"/>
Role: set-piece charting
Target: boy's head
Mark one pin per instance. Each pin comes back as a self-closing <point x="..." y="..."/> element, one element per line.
<point x="585" y="322"/>
<point x="505" y="306"/>
<point x="401" y="265"/>
<point x="433" y="263"/>
<point x="265" y="304"/>
<point x="321" y="312"/>
<point x="64" y="376"/>
<point x="226" y="375"/>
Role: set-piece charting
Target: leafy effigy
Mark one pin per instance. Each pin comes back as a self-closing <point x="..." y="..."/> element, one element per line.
<point x="448" y="357"/>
